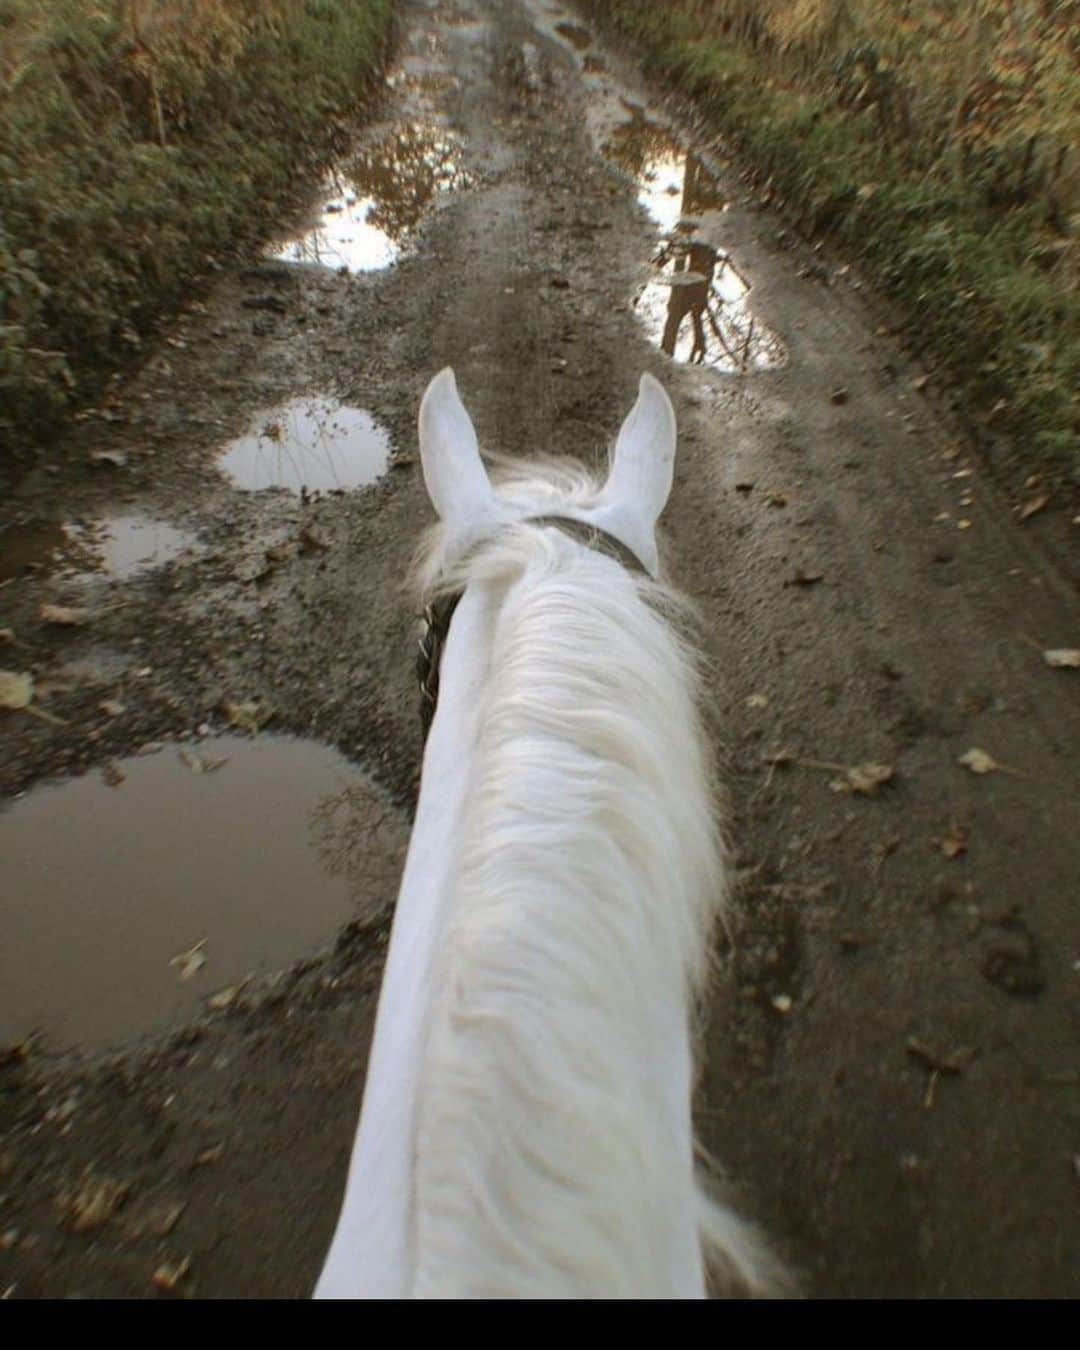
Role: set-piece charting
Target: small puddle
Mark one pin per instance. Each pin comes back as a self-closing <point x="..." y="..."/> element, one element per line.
<point x="696" y="306"/>
<point x="315" y="444"/>
<point x="260" y="859"/>
<point x="116" y="546"/>
<point x="372" y="202"/>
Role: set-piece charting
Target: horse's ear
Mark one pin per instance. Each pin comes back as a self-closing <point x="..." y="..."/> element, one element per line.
<point x="454" y="474"/>
<point x="643" y="465"/>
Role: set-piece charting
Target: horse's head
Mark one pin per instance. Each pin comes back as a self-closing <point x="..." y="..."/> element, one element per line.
<point x="626" y="506"/>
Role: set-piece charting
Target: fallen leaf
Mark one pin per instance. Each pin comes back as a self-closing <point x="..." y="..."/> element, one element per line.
<point x="883" y="850"/>
<point x="782" y="1003"/>
<point x="150" y="748"/>
<point x="978" y="761"/>
<point x="1063" y="658"/>
<point x="1035" y="504"/>
<point x="7" y="635"/>
<point x="116" y="459"/>
<point x="864" y="778"/>
<point x="954" y="842"/>
<point x="963" y="523"/>
<point x="167" y="1218"/>
<point x="839" y="396"/>
<point x="223" y="998"/>
<point x="189" y="963"/>
<point x="309" y="542"/>
<point x="941" y="1061"/>
<point x="16" y="690"/>
<point x="17" y="1052"/>
<point x="169" y="1274"/>
<point x="112" y="707"/>
<point x="802" y="578"/>
<point x="64" y="617"/>
<point x="780" y="757"/>
<point x="757" y="701"/>
<point x="249" y="716"/>
<point x="209" y="1156"/>
<point x="202" y="763"/>
<point x="920" y="381"/>
<point x="777" y="499"/>
<point x="112" y="774"/>
<point x="93" y="1204"/>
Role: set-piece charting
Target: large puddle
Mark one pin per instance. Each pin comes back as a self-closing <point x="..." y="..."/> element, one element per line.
<point x="308" y="444"/>
<point x="696" y="306"/>
<point x="118" y="546"/>
<point x="372" y="202"/>
<point x="124" y="907"/>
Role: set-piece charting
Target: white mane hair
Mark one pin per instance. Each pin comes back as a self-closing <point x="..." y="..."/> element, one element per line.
<point x="551" y="1151"/>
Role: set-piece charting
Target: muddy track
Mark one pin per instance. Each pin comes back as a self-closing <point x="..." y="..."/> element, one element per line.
<point x="893" y="1076"/>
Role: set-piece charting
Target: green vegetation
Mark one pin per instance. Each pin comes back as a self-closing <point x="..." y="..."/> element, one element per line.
<point x="935" y="141"/>
<point x="139" y="138"/>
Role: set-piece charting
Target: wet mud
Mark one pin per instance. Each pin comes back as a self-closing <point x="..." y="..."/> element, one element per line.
<point x="893" y="1053"/>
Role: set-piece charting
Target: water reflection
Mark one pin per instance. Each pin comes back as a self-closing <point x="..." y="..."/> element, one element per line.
<point x="696" y="306"/>
<point x="347" y="829"/>
<point x="375" y="199"/>
<point x="117" y="546"/>
<point x="217" y="848"/>
<point x="313" y="443"/>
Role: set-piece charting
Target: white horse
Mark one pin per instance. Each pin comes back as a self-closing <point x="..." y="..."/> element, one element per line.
<point x="526" y="1126"/>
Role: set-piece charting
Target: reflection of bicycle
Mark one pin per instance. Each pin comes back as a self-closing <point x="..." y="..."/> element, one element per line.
<point x="697" y="290"/>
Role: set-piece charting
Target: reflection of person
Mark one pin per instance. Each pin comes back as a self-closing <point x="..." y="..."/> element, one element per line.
<point x="700" y="299"/>
<point x="704" y="283"/>
<point x="691" y="297"/>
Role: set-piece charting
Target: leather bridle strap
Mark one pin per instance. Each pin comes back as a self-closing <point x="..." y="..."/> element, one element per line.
<point x="438" y="614"/>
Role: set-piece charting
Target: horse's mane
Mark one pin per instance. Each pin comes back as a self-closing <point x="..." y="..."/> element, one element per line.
<point x="591" y="872"/>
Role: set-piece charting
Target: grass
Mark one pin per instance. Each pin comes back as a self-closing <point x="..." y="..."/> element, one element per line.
<point x="935" y="142"/>
<point x="140" y="140"/>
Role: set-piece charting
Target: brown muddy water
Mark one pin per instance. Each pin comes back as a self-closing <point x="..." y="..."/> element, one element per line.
<point x="312" y="444"/>
<point x="372" y="202"/>
<point x="116" y="547"/>
<point x="132" y="895"/>
<point x="695" y="303"/>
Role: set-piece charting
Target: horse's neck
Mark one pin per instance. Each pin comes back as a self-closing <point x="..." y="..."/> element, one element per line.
<point x="593" y="956"/>
<point x="372" y="1251"/>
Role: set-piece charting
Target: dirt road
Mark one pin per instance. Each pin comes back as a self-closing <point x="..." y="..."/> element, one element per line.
<point x="893" y="1077"/>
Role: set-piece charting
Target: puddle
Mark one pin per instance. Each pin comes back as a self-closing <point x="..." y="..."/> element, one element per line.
<point x="696" y="306"/>
<point x="373" y="201"/>
<point x="261" y="859"/>
<point x="117" y="546"/>
<point x="312" y="443"/>
<point x="574" y="33"/>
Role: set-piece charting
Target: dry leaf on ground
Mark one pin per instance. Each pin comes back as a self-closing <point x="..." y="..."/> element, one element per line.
<point x="93" y="1204"/>
<point x="189" y="963"/>
<point x="954" y="842"/>
<point x="978" y="761"/>
<point x="63" y="616"/>
<point x="16" y="690"/>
